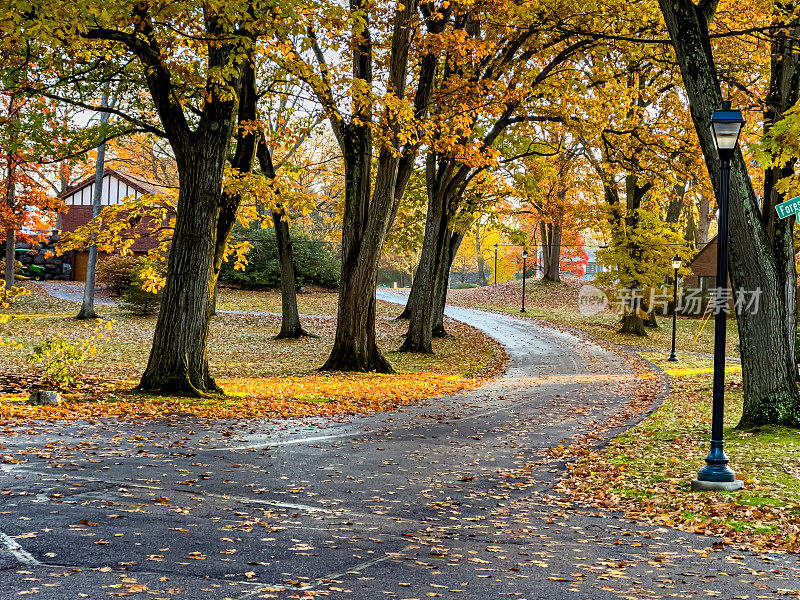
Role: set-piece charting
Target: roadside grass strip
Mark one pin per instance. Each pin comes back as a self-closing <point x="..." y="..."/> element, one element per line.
<point x="646" y="472"/>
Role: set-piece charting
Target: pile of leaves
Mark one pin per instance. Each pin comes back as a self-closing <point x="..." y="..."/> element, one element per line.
<point x="254" y="398"/>
<point x="646" y="472"/>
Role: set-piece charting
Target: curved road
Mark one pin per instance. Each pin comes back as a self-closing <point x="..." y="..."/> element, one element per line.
<point x="453" y="499"/>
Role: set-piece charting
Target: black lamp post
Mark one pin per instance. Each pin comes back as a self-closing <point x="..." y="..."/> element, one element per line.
<point x="524" y="269"/>
<point x="726" y="124"/>
<point x="676" y="264"/>
<point x="495" y="263"/>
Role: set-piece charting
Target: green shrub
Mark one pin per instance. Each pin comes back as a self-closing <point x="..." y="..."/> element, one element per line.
<point x="142" y="297"/>
<point x="314" y="263"/>
<point x="117" y="272"/>
<point x="61" y="360"/>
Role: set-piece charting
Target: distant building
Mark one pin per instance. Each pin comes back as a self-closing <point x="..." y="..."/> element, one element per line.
<point x="704" y="268"/>
<point x="117" y="186"/>
<point x="592" y="267"/>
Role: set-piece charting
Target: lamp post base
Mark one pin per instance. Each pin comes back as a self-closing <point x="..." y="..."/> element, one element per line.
<point x="716" y="486"/>
<point x="522" y="310"/>
<point x="672" y="358"/>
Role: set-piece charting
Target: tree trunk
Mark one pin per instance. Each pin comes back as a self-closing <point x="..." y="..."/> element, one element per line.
<point x="355" y="346"/>
<point x="438" y="321"/>
<point x="178" y="362"/>
<point x="651" y="320"/>
<point x="367" y="216"/>
<point x="87" y="306"/>
<point x="11" y="242"/>
<point x="756" y="262"/>
<point x="632" y="324"/>
<point x="178" y="359"/>
<point x="551" y="251"/>
<point x="11" y="188"/>
<point x="479" y="255"/>
<point x="413" y="296"/>
<point x="703" y="221"/>
<point x="290" y="317"/>
<point x="431" y="269"/>
<point x="675" y="205"/>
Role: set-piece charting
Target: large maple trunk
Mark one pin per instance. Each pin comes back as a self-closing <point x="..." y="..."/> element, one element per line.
<point x="368" y="214"/>
<point x="759" y="259"/>
<point x="355" y="346"/>
<point x="178" y="359"/>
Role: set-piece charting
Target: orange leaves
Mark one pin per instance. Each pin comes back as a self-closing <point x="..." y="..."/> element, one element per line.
<point x="370" y="391"/>
<point x="276" y="397"/>
<point x="263" y="377"/>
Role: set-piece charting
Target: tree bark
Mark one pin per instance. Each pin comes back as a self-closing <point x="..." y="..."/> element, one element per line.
<point x="368" y="213"/>
<point x="178" y="362"/>
<point x="87" y="305"/>
<point x="11" y="188"/>
<point x="703" y="221"/>
<point x="290" y="316"/>
<point x="438" y="321"/>
<point x="431" y="269"/>
<point x="756" y="261"/>
<point x="355" y="346"/>
<point x="551" y="250"/>
<point x="479" y="256"/>
<point x="178" y="359"/>
<point x="632" y="324"/>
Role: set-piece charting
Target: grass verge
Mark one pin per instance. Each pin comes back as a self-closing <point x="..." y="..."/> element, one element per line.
<point x="646" y="472"/>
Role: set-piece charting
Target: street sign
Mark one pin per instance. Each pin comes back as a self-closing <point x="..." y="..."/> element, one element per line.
<point x="789" y="208"/>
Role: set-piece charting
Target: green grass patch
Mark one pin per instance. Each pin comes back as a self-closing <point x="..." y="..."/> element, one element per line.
<point x="651" y="466"/>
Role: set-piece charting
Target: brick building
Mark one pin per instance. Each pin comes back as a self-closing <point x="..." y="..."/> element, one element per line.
<point x="117" y="186"/>
<point x="704" y="268"/>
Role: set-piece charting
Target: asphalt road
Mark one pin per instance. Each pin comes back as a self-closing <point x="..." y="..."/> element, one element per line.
<point x="453" y="499"/>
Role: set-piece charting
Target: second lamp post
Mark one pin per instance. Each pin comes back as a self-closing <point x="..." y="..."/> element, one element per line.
<point x="676" y="264"/>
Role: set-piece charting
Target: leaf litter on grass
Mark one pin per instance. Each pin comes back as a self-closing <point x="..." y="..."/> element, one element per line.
<point x="263" y="377"/>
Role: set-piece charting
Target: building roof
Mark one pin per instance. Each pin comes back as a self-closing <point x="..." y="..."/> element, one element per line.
<point x="141" y="185"/>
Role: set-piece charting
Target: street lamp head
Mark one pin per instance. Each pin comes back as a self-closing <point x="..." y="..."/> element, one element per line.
<point x="726" y="125"/>
<point x="524" y="254"/>
<point x="496" y="247"/>
<point x="676" y="262"/>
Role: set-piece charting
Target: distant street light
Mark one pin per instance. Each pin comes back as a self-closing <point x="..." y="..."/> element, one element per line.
<point x="495" y="263"/>
<point x="524" y="268"/>
<point x="676" y="264"/>
<point x="726" y="125"/>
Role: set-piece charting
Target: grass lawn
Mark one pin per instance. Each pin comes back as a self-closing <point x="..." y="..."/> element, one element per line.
<point x="317" y="302"/>
<point x="646" y="472"/>
<point x="262" y="377"/>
